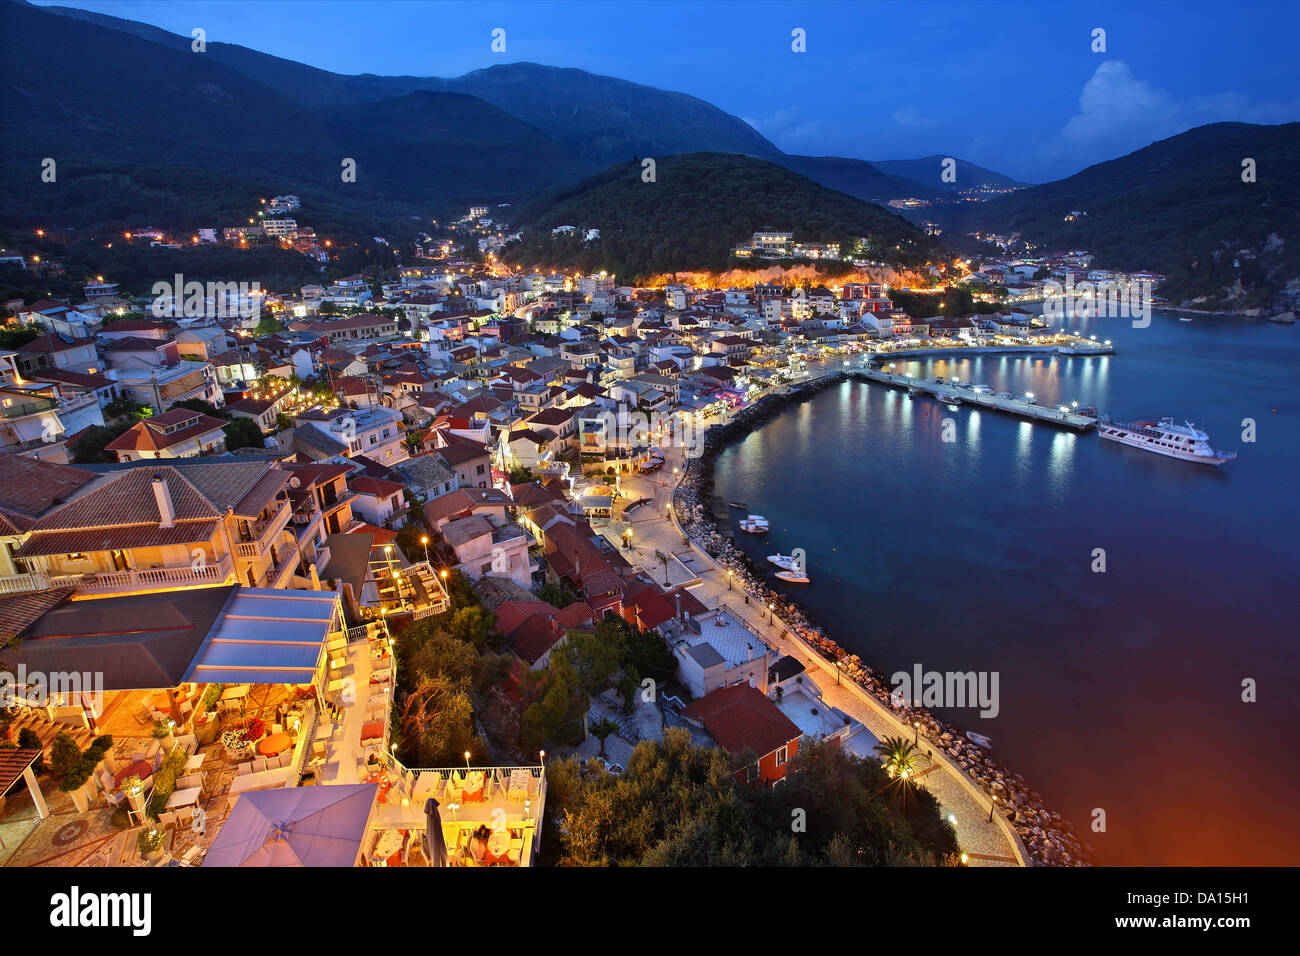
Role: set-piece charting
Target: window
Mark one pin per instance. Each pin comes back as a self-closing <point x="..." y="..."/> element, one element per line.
<point x="781" y="756"/>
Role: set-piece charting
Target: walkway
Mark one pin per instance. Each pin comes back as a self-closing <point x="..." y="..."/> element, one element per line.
<point x="987" y="844"/>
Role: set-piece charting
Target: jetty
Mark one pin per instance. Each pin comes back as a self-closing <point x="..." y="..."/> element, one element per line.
<point x="980" y="398"/>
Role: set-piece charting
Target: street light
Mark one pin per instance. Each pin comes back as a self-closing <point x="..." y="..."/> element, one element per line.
<point x="991" y="806"/>
<point x="729" y="580"/>
<point x="916" y="733"/>
<point x="424" y="540"/>
<point x="771" y="608"/>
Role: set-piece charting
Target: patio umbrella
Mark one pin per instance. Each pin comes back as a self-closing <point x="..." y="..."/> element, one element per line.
<point x="435" y="847"/>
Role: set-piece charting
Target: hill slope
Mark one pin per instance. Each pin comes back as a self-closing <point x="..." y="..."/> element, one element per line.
<point x="927" y="172"/>
<point x="701" y="205"/>
<point x="857" y="177"/>
<point x="1178" y="207"/>
<point x="142" y="130"/>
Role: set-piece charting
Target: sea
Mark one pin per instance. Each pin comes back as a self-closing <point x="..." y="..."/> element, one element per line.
<point x="1140" y="612"/>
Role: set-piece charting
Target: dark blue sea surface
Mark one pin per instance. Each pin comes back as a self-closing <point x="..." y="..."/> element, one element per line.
<point x="1119" y="691"/>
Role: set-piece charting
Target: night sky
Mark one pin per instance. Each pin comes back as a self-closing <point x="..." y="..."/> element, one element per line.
<point x="1011" y="86"/>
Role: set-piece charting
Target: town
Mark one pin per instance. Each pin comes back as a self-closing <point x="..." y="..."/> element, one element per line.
<point x="281" y="499"/>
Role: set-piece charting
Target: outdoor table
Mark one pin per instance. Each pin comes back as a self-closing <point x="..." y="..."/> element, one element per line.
<point x="473" y="787"/>
<point x="184" y="798"/>
<point x="235" y="693"/>
<point x="389" y="847"/>
<point x="519" y="783"/>
<point x="141" y="769"/>
<point x="372" y="731"/>
<point x="195" y="762"/>
<point x="275" y="745"/>
<point x="499" y="843"/>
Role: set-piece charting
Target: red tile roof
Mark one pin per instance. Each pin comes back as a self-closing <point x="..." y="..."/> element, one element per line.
<point x="741" y="716"/>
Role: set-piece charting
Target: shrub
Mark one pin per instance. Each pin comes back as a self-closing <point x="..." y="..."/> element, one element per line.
<point x="29" y="739"/>
<point x="164" y="781"/>
<point x="79" y="774"/>
<point x="161" y="729"/>
<point x="149" y="841"/>
<point x="64" y="754"/>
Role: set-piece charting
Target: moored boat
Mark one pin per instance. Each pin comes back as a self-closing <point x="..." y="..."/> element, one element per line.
<point x="1186" y="441"/>
<point x="793" y="577"/>
<point x="786" y="562"/>
<point x="754" y="524"/>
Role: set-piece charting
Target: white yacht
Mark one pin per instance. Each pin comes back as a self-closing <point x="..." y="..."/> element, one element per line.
<point x="1184" y="441"/>
<point x="793" y="577"/>
<point x="786" y="562"/>
<point x="754" y="524"/>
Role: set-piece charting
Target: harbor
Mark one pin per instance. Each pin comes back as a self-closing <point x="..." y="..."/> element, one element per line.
<point x="980" y="397"/>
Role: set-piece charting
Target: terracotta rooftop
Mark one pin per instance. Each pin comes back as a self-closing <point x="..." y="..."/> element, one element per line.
<point x="741" y="717"/>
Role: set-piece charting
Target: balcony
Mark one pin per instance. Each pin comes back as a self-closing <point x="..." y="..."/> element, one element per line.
<point x="264" y="533"/>
<point x="115" y="582"/>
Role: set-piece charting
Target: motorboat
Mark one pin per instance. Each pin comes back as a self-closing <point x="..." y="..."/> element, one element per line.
<point x="1184" y="441"/>
<point x="754" y="524"/>
<point x="793" y="577"/>
<point x="785" y="562"/>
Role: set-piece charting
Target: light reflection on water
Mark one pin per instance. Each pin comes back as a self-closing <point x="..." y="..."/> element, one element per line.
<point x="977" y="555"/>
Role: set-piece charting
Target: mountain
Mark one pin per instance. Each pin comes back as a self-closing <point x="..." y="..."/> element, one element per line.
<point x="699" y="206"/>
<point x="857" y="177"/>
<point x="928" y="172"/>
<point x="1178" y="207"/>
<point x="600" y="118"/>
<point x="140" y="129"/>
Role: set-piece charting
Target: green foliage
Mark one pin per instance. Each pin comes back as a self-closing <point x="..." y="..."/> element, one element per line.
<point x="164" y="781"/>
<point x="701" y="205"/>
<point x="1177" y="207"/>
<point x="680" y="805"/>
<point x="602" y="729"/>
<point x="556" y="594"/>
<point x="64" y="754"/>
<point x="29" y="739"/>
<point x="208" y="702"/>
<point x="149" y="841"/>
<point x="89" y="448"/>
<point x="593" y="657"/>
<point x="242" y="433"/>
<point x="13" y="336"/>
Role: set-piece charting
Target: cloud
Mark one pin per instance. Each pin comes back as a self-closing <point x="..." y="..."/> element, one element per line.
<point x="1118" y="113"/>
<point x="909" y="117"/>
<point x="789" y="131"/>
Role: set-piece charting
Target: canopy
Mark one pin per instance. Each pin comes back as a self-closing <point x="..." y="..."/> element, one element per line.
<point x="300" y="826"/>
<point x="267" y="636"/>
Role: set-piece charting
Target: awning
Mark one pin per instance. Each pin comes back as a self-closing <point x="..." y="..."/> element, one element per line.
<point x="297" y="826"/>
<point x="267" y="636"/>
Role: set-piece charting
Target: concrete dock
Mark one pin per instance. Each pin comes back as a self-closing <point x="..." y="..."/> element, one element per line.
<point x="1020" y="407"/>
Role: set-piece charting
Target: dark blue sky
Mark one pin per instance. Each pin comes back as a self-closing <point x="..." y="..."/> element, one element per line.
<point x="1011" y="86"/>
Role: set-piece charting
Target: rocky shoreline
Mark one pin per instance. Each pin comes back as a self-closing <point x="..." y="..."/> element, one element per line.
<point x="1048" y="838"/>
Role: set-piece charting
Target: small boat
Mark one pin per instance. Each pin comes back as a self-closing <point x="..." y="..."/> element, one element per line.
<point x="1183" y="318"/>
<point x="754" y="524"/>
<point x="738" y="504"/>
<point x="948" y="397"/>
<point x="793" y="577"/>
<point x="979" y="739"/>
<point x="786" y="562"/>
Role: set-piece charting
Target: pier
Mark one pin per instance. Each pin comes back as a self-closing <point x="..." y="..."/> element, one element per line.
<point x="943" y="391"/>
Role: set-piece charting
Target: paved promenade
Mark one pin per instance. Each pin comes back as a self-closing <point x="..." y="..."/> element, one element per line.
<point x="987" y="844"/>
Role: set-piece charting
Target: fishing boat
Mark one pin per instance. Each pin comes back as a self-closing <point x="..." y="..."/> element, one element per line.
<point x="754" y="524"/>
<point x="786" y="562"/>
<point x="979" y="739"/>
<point x="793" y="577"/>
<point x="1185" y="441"/>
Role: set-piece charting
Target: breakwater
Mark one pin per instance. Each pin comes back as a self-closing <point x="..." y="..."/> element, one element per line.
<point x="1045" y="834"/>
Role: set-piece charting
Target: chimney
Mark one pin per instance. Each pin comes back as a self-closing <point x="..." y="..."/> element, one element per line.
<point x="677" y="599"/>
<point x="163" y="496"/>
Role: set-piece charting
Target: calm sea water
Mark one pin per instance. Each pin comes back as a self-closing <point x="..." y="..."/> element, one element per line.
<point x="1119" y="691"/>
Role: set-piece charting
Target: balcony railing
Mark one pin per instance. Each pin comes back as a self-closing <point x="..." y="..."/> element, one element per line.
<point x="111" y="582"/>
<point x="264" y="533"/>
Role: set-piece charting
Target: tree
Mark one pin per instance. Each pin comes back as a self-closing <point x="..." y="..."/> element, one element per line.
<point x="602" y="729"/>
<point x="202" y="407"/>
<point x="89" y="447"/>
<point x="663" y="559"/>
<point x="28" y="739"/>
<point x="242" y="433"/>
<point x="901" y="756"/>
<point x="64" y="753"/>
<point x="593" y="657"/>
<point x="554" y="699"/>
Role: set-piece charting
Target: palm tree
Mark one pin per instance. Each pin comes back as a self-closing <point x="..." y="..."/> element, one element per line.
<point x="901" y="756"/>
<point x="602" y="729"/>
<point x="661" y="557"/>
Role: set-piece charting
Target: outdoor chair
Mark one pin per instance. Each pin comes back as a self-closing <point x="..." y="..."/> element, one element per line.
<point x="167" y="820"/>
<point x="184" y="816"/>
<point x="137" y="757"/>
<point x="243" y="769"/>
<point x="259" y="764"/>
<point x="189" y="743"/>
<point x="113" y="799"/>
